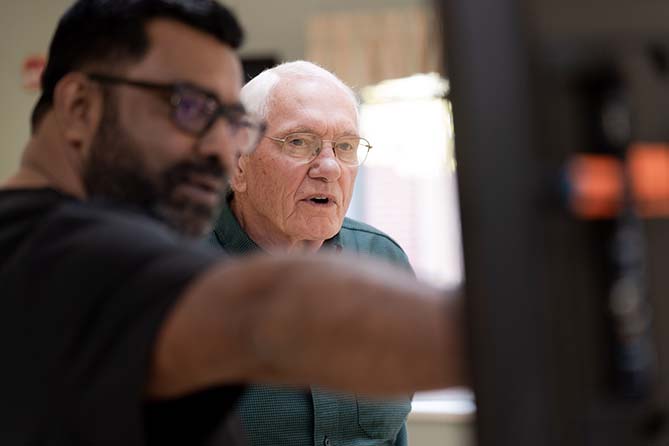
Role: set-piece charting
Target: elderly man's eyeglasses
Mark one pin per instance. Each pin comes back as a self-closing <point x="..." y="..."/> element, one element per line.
<point x="195" y="110"/>
<point x="350" y="150"/>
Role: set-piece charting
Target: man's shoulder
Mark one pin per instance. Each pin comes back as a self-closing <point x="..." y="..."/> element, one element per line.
<point x="115" y="219"/>
<point x="51" y="221"/>
<point x="97" y="249"/>
<point x="364" y="238"/>
<point x="359" y="229"/>
<point x="106" y="229"/>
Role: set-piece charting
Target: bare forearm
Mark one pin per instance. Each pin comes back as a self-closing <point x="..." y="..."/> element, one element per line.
<point x="366" y="328"/>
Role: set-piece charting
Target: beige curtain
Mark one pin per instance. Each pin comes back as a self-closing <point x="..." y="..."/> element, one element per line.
<point x="364" y="48"/>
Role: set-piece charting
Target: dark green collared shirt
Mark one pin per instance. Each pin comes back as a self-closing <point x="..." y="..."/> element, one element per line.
<point x="284" y="416"/>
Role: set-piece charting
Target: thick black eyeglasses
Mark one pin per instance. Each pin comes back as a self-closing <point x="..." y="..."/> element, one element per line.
<point x="195" y="110"/>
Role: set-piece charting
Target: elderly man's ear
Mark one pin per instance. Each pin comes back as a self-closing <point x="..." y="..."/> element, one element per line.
<point x="78" y="107"/>
<point x="238" y="179"/>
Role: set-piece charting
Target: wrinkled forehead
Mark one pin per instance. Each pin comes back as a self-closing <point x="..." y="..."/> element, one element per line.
<point x="313" y="103"/>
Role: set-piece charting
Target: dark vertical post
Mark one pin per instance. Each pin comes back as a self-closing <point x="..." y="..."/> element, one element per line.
<point x="488" y="66"/>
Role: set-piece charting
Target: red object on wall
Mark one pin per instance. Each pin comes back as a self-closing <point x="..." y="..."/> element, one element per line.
<point x="31" y="72"/>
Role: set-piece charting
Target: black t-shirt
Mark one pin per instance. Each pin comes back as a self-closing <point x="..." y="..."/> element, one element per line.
<point x="84" y="289"/>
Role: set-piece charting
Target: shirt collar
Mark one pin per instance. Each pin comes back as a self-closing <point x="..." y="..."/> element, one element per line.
<point x="227" y="228"/>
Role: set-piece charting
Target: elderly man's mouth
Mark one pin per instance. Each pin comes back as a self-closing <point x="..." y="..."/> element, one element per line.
<point x="320" y="200"/>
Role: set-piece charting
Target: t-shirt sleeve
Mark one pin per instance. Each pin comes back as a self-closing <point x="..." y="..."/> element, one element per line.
<point x="98" y="290"/>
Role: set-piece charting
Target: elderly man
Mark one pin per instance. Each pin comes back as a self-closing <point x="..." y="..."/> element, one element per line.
<point x="291" y="195"/>
<point x="116" y="328"/>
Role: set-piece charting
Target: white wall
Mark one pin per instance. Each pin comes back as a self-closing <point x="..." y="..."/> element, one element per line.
<point x="25" y="28"/>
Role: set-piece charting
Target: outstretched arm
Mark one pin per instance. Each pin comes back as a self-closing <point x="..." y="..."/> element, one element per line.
<point x="336" y="321"/>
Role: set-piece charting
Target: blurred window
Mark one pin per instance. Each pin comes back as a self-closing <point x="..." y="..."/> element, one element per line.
<point x="407" y="187"/>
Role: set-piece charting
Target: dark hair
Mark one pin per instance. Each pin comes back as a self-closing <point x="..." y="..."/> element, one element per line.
<point x="114" y="31"/>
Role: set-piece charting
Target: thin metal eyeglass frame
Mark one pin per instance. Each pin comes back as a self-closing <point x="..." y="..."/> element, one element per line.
<point x="283" y="140"/>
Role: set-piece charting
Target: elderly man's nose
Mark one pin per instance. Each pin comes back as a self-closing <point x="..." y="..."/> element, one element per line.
<point x="326" y="165"/>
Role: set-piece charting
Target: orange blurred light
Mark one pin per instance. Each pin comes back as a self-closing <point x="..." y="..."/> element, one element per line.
<point x="596" y="186"/>
<point x="649" y="174"/>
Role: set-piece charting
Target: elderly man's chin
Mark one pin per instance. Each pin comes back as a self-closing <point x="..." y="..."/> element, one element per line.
<point x="318" y="230"/>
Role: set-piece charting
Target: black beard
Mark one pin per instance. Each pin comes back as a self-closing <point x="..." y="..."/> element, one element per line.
<point x="116" y="172"/>
<point x="185" y="216"/>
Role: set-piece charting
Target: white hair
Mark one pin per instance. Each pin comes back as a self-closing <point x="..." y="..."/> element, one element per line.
<point x="257" y="93"/>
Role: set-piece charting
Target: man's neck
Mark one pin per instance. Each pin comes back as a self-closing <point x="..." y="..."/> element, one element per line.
<point x="268" y="239"/>
<point x="47" y="162"/>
